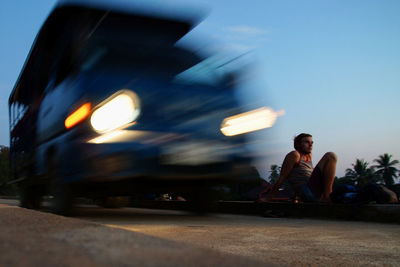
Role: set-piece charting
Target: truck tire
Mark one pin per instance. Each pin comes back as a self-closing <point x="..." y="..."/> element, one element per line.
<point x="30" y="196"/>
<point x="62" y="198"/>
<point x="203" y="201"/>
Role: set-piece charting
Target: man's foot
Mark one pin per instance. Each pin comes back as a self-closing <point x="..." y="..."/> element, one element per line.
<point x="262" y="199"/>
<point x="325" y="199"/>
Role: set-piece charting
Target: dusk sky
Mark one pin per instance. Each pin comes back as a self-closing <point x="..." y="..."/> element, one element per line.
<point x="332" y="66"/>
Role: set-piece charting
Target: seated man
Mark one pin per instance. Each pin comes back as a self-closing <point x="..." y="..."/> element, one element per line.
<point x="308" y="183"/>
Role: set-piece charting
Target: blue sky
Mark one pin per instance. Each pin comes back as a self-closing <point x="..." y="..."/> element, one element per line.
<point x="333" y="66"/>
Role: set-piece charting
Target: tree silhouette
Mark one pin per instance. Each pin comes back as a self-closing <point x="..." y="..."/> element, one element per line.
<point x="274" y="173"/>
<point x="5" y="189"/>
<point x="361" y="174"/>
<point x="386" y="169"/>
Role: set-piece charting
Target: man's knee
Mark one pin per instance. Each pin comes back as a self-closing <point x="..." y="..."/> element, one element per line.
<point x="331" y="156"/>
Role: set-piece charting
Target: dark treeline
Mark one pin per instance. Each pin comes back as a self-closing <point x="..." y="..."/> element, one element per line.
<point x="5" y="188"/>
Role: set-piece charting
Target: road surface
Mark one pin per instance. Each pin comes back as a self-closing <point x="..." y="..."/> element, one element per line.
<point x="132" y="237"/>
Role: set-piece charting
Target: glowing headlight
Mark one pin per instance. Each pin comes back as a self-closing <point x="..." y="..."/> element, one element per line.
<point x="118" y="110"/>
<point x="250" y="121"/>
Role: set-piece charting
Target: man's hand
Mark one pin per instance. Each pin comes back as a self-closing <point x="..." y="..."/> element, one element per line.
<point x="267" y="198"/>
<point x="325" y="199"/>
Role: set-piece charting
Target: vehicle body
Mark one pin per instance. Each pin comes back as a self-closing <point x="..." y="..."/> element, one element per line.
<point x="91" y="65"/>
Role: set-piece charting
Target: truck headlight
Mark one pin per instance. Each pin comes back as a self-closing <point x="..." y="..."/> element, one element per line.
<point x="250" y="121"/>
<point x="118" y="110"/>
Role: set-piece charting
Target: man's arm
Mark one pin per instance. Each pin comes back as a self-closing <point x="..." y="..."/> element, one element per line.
<point x="288" y="164"/>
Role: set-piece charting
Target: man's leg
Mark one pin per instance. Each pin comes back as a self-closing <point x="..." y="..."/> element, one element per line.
<point x="321" y="181"/>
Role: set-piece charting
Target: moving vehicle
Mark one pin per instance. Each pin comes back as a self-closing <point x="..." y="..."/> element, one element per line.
<point x="108" y="104"/>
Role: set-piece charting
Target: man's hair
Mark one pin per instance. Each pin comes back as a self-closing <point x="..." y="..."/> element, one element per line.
<point x="297" y="140"/>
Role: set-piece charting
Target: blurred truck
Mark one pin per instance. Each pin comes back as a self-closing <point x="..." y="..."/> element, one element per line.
<point x="108" y="104"/>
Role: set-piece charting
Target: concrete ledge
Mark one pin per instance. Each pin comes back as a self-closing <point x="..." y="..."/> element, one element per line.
<point x="9" y="197"/>
<point x="389" y="213"/>
<point x="371" y="212"/>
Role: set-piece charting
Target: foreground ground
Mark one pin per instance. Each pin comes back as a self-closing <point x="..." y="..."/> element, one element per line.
<point x="128" y="237"/>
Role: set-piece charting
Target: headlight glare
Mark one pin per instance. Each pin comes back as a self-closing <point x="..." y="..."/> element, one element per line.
<point x="250" y="121"/>
<point x="117" y="111"/>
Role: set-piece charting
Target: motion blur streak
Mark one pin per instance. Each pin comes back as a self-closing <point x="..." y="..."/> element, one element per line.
<point x="107" y="137"/>
<point x="77" y="116"/>
<point x="250" y="121"/>
<point x="123" y="136"/>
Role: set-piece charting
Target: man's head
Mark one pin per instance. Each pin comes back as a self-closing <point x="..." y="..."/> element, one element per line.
<point x="303" y="143"/>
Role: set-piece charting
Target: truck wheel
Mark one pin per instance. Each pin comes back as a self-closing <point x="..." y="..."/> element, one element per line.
<point x="62" y="201"/>
<point x="30" y="196"/>
<point x="203" y="201"/>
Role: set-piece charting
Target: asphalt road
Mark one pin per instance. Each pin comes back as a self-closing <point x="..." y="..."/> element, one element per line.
<point x="130" y="237"/>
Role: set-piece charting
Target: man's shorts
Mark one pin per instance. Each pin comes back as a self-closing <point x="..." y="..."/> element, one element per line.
<point x="313" y="190"/>
<point x="308" y="195"/>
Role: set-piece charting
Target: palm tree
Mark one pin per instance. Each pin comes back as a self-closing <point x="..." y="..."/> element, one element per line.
<point x="275" y="172"/>
<point x="386" y="168"/>
<point x="361" y="174"/>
